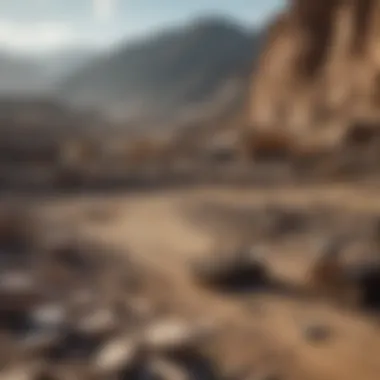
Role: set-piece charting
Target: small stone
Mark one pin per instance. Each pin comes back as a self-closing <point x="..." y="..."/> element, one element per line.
<point x="74" y="255"/>
<point x="73" y="345"/>
<point x="83" y="298"/>
<point x="173" y="334"/>
<point x="317" y="333"/>
<point x="50" y="316"/>
<point x="18" y="291"/>
<point x="330" y="248"/>
<point x="14" y="281"/>
<point x="162" y="369"/>
<point x="38" y="341"/>
<point x="141" y="306"/>
<point x="255" y="255"/>
<point x="45" y="323"/>
<point x="116" y="355"/>
<point x="100" y="322"/>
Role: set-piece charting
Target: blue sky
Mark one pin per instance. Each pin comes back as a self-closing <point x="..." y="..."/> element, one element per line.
<point x="41" y="25"/>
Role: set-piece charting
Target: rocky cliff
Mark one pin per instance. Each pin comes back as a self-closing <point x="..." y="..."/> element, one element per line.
<point x="320" y="67"/>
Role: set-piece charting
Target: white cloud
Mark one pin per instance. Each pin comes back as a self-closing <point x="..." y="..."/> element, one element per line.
<point x="35" y="37"/>
<point x="104" y="10"/>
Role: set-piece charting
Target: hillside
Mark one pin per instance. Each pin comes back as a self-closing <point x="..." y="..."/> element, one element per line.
<point x="319" y="67"/>
<point x="178" y="68"/>
<point x="58" y="64"/>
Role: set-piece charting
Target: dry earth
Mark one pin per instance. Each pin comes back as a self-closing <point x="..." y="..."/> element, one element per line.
<point x="259" y="332"/>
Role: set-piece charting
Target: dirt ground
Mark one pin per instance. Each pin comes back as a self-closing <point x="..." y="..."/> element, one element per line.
<point x="259" y="331"/>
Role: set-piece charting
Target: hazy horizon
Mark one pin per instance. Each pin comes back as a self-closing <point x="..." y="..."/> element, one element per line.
<point x="43" y="26"/>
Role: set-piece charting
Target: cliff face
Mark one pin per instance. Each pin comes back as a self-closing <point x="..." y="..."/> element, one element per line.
<point x="320" y="66"/>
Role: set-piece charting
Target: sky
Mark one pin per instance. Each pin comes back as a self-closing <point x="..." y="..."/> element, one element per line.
<point x="34" y="26"/>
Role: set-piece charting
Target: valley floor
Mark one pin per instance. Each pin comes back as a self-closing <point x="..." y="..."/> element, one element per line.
<point x="168" y="229"/>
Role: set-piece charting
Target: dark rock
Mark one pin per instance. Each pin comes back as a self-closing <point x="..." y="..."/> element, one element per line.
<point x="137" y="370"/>
<point x="18" y="232"/>
<point x="19" y="290"/>
<point x="73" y="345"/>
<point x="195" y="364"/>
<point x="36" y="330"/>
<point x="376" y="229"/>
<point x="242" y="271"/>
<point x="45" y="325"/>
<point x="361" y="134"/>
<point x="326" y="275"/>
<point x="46" y="375"/>
<point x="72" y="255"/>
<point x="366" y="278"/>
<point x="279" y="221"/>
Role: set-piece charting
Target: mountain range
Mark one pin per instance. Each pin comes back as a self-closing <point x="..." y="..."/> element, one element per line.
<point x="34" y="75"/>
<point x="201" y="65"/>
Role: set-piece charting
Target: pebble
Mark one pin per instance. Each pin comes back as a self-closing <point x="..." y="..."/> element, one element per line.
<point x="18" y="291"/>
<point x="101" y="321"/>
<point x="164" y="370"/>
<point x="115" y="355"/>
<point x="173" y="334"/>
<point x="317" y="333"/>
<point x="50" y="316"/>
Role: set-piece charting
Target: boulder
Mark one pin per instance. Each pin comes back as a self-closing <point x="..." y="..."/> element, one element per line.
<point x="238" y="271"/>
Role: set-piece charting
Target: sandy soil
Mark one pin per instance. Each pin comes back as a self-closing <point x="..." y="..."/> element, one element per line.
<point x="259" y="331"/>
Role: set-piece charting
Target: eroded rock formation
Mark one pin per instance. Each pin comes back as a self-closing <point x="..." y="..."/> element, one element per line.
<point x="320" y="67"/>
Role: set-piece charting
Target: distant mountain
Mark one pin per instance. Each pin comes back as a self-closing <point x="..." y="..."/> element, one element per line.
<point x="35" y="75"/>
<point x="194" y="66"/>
<point x="20" y="75"/>
<point x="61" y="63"/>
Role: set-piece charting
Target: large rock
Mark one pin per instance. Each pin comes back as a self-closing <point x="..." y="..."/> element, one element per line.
<point x="356" y="284"/>
<point x="366" y="278"/>
<point x="319" y="68"/>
